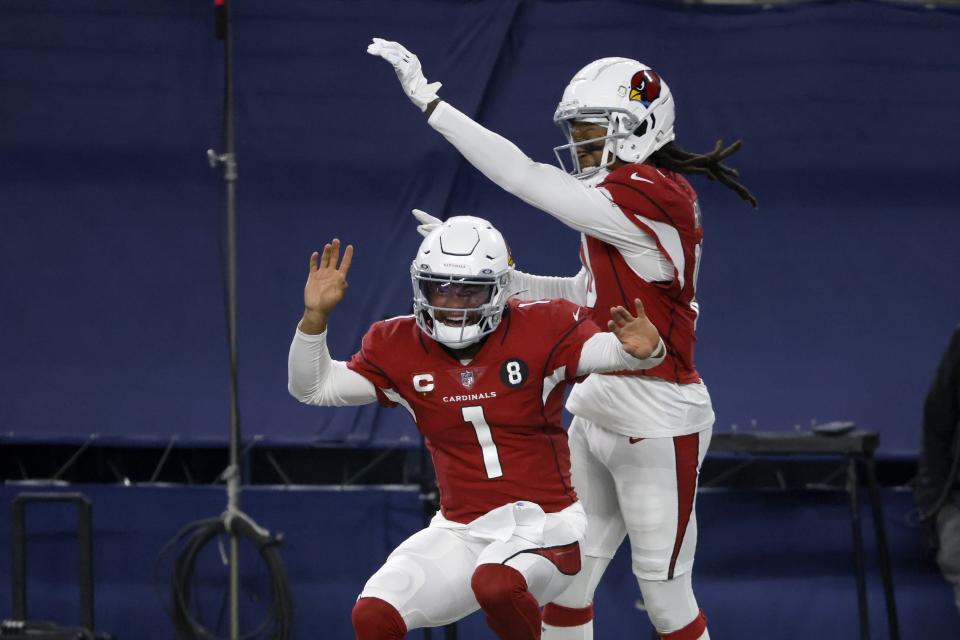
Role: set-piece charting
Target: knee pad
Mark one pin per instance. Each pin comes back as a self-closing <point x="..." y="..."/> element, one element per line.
<point x="376" y="619"/>
<point x="695" y="630"/>
<point x="670" y="604"/>
<point x="512" y="611"/>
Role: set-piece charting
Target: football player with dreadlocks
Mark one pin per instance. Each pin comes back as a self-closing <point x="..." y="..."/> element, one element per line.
<point x="483" y="378"/>
<point x="638" y="437"/>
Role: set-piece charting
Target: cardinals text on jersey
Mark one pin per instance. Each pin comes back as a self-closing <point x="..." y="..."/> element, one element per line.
<point x="493" y="425"/>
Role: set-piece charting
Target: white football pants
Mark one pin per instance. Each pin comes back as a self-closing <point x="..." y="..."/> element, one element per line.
<point x="427" y="578"/>
<point x="644" y="489"/>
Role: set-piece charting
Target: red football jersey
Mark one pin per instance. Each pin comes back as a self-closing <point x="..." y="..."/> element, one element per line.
<point x="492" y="426"/>
<point x="663" y="205"/>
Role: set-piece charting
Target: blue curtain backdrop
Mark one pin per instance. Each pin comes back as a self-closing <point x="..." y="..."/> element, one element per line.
<point x="833" y="301"/>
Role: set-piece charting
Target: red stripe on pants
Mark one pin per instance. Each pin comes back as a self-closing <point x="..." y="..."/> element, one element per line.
<point x="687" y="453"/>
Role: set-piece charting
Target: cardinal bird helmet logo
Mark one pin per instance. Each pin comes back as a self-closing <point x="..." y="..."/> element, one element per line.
<point x="645" y="86"/>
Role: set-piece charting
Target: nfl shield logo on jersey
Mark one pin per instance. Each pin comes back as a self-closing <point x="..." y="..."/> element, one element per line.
<point x="466" y="379"/>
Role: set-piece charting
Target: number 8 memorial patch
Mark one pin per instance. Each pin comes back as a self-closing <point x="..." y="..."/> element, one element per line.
<point x="514" y="373"/>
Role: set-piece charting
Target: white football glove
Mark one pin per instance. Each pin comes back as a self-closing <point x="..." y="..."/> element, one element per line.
<point x="427" y="222"/>
<point x="408" y="71"/>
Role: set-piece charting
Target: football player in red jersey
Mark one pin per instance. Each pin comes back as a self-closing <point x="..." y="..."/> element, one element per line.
<point x="483" y="378"/>
<point x="638" y="437"/>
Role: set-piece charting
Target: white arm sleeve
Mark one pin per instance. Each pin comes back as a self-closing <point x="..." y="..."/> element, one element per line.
<point x="546" y="187"/>
<point x="530" y="287"/>
<point x="314" y="378"/>
<point x="603" y="352"/>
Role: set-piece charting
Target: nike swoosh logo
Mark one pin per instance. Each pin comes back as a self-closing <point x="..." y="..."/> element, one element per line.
<point x="576" y="314"/>
<point x="634" y="176"/>
<point x="530" y="304"/>
<point x="635" y="440"/>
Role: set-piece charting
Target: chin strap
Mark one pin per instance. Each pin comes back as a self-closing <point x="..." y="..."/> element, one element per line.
<point x="462" y="342"/>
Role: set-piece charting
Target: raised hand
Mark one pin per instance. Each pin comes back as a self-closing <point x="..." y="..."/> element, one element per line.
<point x="408" y="70"/>
<point x="427" y="222"/>
<point x="636" y="333"/>
<point x="326" y="285"/>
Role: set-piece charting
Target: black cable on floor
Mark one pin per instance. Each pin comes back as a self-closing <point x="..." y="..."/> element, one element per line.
<point x="195" y="536"/>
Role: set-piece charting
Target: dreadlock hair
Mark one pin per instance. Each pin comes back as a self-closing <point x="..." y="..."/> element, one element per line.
<point x="674" y="158"/>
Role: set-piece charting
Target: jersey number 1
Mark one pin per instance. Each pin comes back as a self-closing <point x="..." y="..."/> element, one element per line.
<point x="491" y="459"/>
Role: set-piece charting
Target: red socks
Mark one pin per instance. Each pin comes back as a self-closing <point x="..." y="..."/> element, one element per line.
<point x="512" y="611"/>
<point x="376" y="619"/>
<point x="557" y="615"/>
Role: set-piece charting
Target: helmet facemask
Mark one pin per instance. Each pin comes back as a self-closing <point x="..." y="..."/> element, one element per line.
<point x="483" y="299"/>
<point x="620" y="124"/>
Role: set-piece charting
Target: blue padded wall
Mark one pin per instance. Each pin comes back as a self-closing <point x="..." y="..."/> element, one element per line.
<point x="782" y="569"/>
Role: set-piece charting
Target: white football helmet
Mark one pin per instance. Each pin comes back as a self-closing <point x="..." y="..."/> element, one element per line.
<point x="460" y="277"/>
<point x="630" y="98"/>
